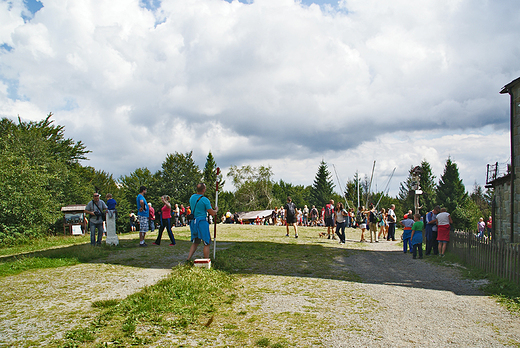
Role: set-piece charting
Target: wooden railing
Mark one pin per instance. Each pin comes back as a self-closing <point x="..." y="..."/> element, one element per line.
<point x="499" y="258"/>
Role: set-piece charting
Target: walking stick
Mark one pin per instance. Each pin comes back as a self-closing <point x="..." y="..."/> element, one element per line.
<point x="215" y="219"/>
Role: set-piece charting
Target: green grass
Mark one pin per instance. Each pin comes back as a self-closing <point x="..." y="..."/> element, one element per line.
<point x="33" y="245"/>
<point x="269" y="258"/>
<point x="187" y="299"/>
<point x="55" y="257"/>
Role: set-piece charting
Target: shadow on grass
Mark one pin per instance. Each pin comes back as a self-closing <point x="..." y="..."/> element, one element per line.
<point x="260" y="257"/>
<point x="300" y="260"/>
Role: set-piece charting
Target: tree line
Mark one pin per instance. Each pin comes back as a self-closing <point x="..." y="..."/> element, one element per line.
<point x="41" y="172"/>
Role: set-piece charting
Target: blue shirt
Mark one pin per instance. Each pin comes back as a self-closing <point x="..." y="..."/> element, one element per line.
<point x="140" y="198"/>
<point x="111" y="204"/>
<point x="199" y="209"/>
<point x="407" y="230"/>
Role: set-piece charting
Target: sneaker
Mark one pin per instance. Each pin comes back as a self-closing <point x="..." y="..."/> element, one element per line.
<point x="287" y="235"/>
<point x="296" y="236"/>
<point x="155" y="243"/>
<point x="142" y="245"/>
<point x="172" y="244"/>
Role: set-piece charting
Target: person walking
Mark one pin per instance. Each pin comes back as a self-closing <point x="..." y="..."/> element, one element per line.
<point x="166" y="221"/>
<point x="291" y="218"/>
<point x="199" y="226"/>
<point x="341" y="221"/>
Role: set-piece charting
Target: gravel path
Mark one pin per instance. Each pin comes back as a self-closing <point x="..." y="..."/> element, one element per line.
<point x="424" y="305"/>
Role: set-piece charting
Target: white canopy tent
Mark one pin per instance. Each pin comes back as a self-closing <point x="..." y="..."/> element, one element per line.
<point x="251" y="215"/>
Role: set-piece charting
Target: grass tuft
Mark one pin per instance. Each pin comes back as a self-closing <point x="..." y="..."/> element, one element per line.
<point x="183" y="300"/>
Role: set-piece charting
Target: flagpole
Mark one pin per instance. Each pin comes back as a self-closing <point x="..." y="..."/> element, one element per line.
<point x="215" y="219"/>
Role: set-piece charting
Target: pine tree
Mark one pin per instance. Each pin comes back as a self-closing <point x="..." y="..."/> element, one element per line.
<point x="322" y="187"/>
<point x="451" y="194"/>
<point x="427" y="183"/>
<point x="406" y="195"/>
<point x="209" y="177"/>
<point x="180" y="176"/>
<point x="482" y="200"/>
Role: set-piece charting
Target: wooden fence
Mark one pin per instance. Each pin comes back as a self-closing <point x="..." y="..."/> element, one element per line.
<point x="499" y="258"/>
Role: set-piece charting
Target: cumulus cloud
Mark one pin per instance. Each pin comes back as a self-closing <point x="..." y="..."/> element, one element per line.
<point x="277" y="82"/>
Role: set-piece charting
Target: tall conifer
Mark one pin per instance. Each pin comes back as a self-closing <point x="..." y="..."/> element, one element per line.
<point x="451" y="192"/>
<point x="323" y="186"/>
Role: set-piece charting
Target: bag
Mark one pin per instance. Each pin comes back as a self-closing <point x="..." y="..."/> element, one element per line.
<point x="100" y="212"/>
<point x="191" y="216"/>
<point x="328" y="211"/>
<point x="290" y="210"/>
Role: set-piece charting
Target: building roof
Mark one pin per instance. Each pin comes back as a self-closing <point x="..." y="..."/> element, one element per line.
<point x="506" y="88"/>
<point x="74" y="207"/>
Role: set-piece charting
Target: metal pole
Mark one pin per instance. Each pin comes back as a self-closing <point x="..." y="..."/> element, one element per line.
<point x="215" y="219"/>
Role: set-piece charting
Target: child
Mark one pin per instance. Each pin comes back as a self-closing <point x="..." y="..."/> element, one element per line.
<point x="416" y="237"/>
<point x="407" y="232"/>
<point x="481" y="226"/>
<point x="111" y="205"/>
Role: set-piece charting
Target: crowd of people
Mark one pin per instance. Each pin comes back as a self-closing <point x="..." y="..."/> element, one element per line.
<point x="379" y="224"/>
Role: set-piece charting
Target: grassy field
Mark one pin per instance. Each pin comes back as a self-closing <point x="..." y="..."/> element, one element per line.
<point x="195" y="306"/>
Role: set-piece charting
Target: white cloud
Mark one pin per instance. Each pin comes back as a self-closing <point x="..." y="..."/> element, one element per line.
<point x="272" y="82"/>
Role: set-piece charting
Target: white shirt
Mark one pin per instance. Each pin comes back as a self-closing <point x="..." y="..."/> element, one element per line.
<point x="392" y="214"/>
<point x="443" y="218"/>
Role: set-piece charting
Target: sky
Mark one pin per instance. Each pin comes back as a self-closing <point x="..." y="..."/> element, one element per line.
<point x="282" y="83"/>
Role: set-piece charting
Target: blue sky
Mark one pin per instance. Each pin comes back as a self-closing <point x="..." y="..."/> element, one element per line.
<point x="271" y="82"/>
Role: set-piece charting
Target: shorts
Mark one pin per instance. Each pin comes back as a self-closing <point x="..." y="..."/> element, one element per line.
<point x="143" y="223"/>
<point x="199" y="228"/>
<point x="291" y="219"/>
<point x="329" y="222"/>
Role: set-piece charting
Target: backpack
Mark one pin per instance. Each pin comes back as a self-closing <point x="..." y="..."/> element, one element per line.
<point x="290" y="209"/>
<point x="328" y="211"/>
<point x="373" y="217"/>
